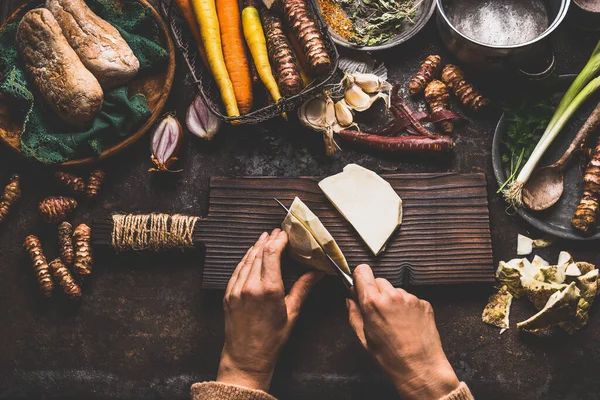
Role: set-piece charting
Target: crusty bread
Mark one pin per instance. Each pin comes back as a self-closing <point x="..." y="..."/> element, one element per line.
<point x="98" y="44"/>
<point x="56" y="70"/>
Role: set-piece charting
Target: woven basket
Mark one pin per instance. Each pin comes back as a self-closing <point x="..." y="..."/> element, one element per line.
<point x="208" y="88"/>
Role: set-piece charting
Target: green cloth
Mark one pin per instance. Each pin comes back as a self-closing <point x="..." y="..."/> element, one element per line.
<point x="48" y="139"/>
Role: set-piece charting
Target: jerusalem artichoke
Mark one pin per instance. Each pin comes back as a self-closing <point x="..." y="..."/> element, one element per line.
<point x="65" y="243"/>
<point x="95" y="181"/>
<point x="73" y="183"/>
<point x="11" y="194"/>
<point x="304" y="27"/>
<point x="470" y="97"/>
<point x="83" y="256"/>
<point x="437" y="96"/>
<point x="587" y="211"/>
<point x="63" y="277"/>
<point x="429" y="69"/>
<point x="56" y="209"/>
<point x="282" y="57"/>
<point x="40" y="265"/>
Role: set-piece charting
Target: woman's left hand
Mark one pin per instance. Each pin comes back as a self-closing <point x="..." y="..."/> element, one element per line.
<point x="258" y="315"/>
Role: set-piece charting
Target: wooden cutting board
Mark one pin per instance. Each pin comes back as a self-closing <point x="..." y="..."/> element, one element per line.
<point x="444" y="237"/>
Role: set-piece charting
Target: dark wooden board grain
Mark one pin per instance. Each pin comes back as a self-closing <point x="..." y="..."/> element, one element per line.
<point x="444" y="237"/>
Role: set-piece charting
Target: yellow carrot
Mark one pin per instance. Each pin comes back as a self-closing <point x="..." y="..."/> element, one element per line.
<point x="206" y="14"/>
<point x="255" y="38"/>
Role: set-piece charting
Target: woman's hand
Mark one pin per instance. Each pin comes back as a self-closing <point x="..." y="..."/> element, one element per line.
<point x="399" y="330"/>
<point x="258" y="314"/>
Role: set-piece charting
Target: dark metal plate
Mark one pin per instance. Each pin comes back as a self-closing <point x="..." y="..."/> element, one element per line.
<point x="555" y="221"/>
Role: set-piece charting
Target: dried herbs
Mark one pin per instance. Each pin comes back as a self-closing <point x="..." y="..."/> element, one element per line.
<point x="377" y="21"/>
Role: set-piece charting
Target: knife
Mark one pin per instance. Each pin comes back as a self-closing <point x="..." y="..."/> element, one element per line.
<point x="344" y="276"/>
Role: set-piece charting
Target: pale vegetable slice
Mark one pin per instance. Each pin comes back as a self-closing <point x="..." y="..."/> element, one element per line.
<point x="302" y="244"/>
<point x="367" y="201"/>
<point x="588" y="285"/>
<point x="526" y="245"/>
<point x="497" y="310"/>
<point x="561" y="306"/>
<point x="539" y="292"/>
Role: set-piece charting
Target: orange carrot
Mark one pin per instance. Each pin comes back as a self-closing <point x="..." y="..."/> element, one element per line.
<point x="234" y="53"/>
<point x="188" y="13"/>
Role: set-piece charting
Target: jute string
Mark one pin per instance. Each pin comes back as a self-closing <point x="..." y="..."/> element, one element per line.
<point x="152" y="231"/>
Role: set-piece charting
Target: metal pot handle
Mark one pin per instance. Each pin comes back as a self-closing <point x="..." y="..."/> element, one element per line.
<point x="541" y="75"/>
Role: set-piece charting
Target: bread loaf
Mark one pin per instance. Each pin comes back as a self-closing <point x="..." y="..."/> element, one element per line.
<point x="56" y="70"/>
<point x="98" y="44"/>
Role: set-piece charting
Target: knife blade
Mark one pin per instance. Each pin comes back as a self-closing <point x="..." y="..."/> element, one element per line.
<point x="345" y="277"/>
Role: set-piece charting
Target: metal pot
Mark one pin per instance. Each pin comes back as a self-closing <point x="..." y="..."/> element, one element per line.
<point x="502" y="34"/>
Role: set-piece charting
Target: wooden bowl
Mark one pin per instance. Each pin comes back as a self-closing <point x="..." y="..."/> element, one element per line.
<point x="156" y="87"/>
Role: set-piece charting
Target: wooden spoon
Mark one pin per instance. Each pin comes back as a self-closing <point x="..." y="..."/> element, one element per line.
<point x="546" y="184"/>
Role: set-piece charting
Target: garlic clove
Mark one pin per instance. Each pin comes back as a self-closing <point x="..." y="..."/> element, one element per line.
<point x="343" y="114"/>
<point x="357" y="99"/>
<point x="330" y="112"/>
<point x="370" y="83"/>
<point x="201" y="121"/>
<point x="312" y="113"/>
<point x="165" y="143"/>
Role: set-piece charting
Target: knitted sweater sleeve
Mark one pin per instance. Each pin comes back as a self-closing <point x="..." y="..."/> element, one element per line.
<point x="462" y="392"/>
<point x="222" y="391"/>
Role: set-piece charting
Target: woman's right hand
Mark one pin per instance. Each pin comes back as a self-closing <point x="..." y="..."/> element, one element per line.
<point x="399" y="331"/>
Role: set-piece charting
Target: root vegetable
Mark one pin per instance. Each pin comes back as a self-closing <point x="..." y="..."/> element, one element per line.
<point x="257" y="44"/>
<point x="65" y="243"/>
<point x="83" y="252"/>
<point x="10" y="196"/>
<point x="33" y="246"/>
<point x="185" y="6"/>
<point x="399" y="143"/>
<point x="454" y="77"/>
<point x="429" y="69"/>
<point x="303" y="66"/>
<point x="56" y="209"/>
<point x="63" y="277"/>
<point x="206" y="15"/>
<point x="234" y="53"/>
<point x="437" y="96"/>
<point x="588" y="209"/>
<point x="281" y="55"/>
<point x="95" y="181"/>
<point x="73" y="183"/>
<point x="304" y="27"/>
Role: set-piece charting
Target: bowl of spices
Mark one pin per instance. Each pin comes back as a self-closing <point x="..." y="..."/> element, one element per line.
<point x="371" y="25"/>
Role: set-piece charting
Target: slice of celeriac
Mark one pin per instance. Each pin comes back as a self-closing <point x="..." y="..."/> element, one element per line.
<point x="307" y="248"/>
<point x="367" y="201"/>
<point x="561" y="307"/>
<point x="497" y="310"/>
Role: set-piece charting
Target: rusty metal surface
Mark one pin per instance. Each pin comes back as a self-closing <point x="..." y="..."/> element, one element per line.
<point x="145" y="329"/>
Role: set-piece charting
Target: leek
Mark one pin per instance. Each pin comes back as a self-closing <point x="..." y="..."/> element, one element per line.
<point x="582" y="87"/>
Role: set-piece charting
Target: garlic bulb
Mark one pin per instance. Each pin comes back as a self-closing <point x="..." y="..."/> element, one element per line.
<point x="201" y="121"/>
<point x="318" y="113"/>
<point x="165" y="143"/>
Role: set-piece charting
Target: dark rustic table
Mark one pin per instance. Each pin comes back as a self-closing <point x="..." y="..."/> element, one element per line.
<point x="145" y="329"/>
